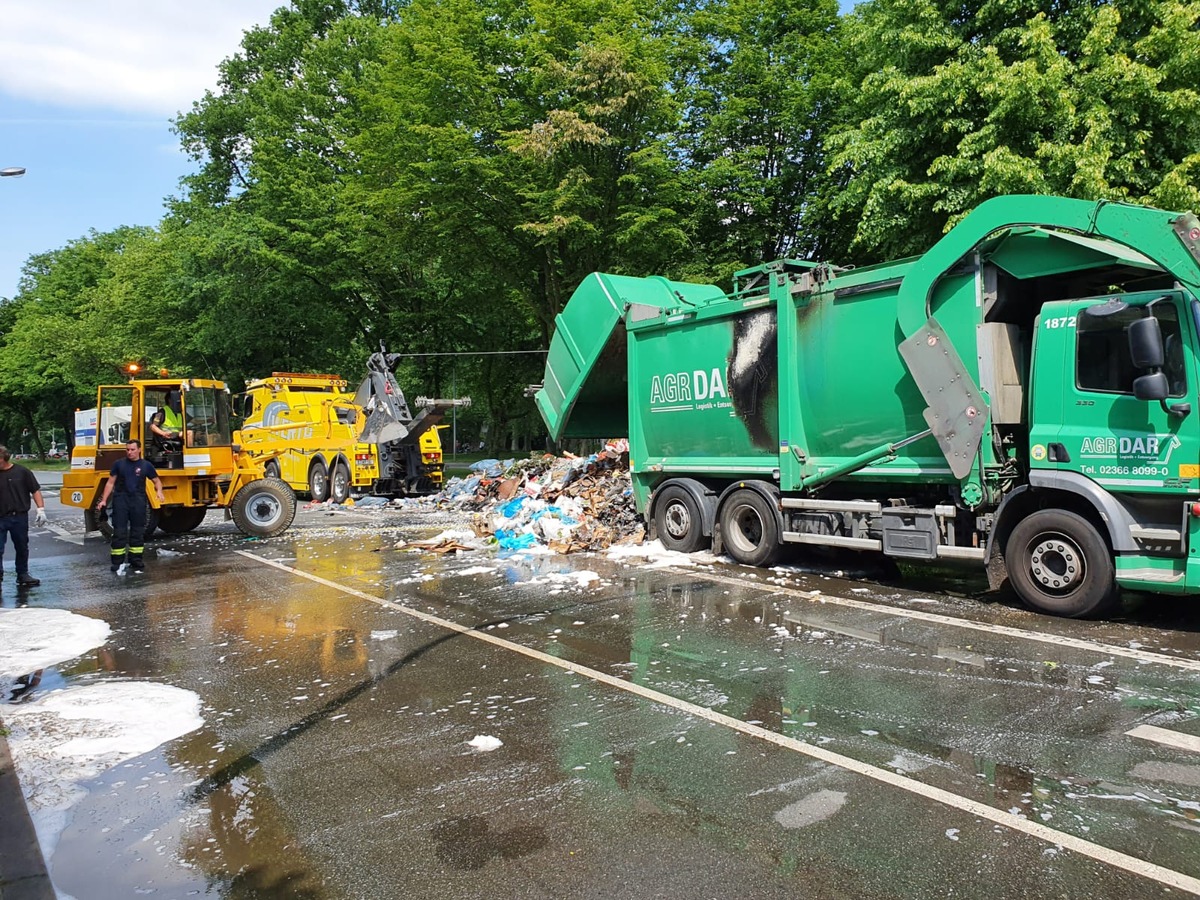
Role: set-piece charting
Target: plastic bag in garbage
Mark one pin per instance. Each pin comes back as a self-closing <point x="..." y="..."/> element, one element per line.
<point x="511" y="540"/>
<point x="510" y="509"/>
<point x="489" y="468"/>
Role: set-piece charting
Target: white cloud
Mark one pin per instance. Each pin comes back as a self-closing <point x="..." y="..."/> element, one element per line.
<point x="135" y="56"/>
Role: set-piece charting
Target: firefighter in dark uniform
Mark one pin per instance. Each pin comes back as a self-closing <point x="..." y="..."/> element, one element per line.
<point x="127" y="487"/>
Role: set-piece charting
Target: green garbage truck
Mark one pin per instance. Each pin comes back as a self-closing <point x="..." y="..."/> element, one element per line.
<point x="1021" y="398"/>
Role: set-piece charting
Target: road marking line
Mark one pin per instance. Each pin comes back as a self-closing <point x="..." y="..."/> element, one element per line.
<point x="64" y="535"/>
<point x="1163" y="659"/>
<point x="1167" y="737"/>
<point x="1115" y="858"/>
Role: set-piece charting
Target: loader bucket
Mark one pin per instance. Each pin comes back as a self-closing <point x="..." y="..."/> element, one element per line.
<point x="585" y="390"/>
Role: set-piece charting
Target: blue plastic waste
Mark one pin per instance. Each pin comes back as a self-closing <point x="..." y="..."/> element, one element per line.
<point x="512" y="507"/>
<point x="553" y="511"/>
<point x="490" y="468"/>
<point x="511" y="540"/>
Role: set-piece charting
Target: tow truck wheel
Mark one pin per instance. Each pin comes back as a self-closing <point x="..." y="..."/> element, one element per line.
<point x="678" y="520"/>
<point x="263" y="508"/>
<point x="181" y="519"/>
<point x="1059" y="564"/>
<point x="271" y="469"/>
<point x="318" y="482"/>
<point x="339" y="483"/>
<point x="749" y="528"/>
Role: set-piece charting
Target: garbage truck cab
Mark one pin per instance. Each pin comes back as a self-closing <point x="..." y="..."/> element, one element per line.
<point x="1022" y="397"/>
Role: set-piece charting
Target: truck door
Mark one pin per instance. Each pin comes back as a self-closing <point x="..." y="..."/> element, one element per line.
<point x="118" y="420"/>
<point x="1123" y="443"/>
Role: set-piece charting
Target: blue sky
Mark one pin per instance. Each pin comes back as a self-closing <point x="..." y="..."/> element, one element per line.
<point x="87" y="92"/>
<point x="88" y="89"/>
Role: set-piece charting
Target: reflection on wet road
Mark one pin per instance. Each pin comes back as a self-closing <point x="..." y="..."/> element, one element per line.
<point x="661" y="732"/>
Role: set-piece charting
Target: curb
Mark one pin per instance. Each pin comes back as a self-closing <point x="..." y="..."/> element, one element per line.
<point x="23" y="874"/>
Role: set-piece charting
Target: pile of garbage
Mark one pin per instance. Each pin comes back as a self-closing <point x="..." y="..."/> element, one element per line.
<point x="566" y="503"/>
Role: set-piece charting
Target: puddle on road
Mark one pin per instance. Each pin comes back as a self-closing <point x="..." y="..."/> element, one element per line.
<point x="1026" y="729"/>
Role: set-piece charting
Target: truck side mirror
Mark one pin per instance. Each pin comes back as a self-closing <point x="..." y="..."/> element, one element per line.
<point x="1146" y="345"/>
<point x="1151" y="387"/>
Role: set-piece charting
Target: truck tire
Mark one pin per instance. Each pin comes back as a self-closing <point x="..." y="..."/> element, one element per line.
<point x="339" y="483"/>
<point x="181" y="519"/>
<point x="271" y="469"/>
<point x="263" y="508"/>
<point x="318" y="482"/>
<point x="749" y="528"/>
<point x="678" y="520"/>
<point x="1058" y="564"/>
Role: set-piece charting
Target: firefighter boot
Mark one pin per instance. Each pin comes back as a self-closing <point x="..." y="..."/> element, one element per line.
<point x="135" y="560"/>
<point x="115" y="560"/>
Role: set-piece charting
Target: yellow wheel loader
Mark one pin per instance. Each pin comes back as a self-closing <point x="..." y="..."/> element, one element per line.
<point x="200" y="466"/>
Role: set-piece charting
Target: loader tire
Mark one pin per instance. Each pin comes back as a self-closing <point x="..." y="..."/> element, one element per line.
<point x="749" y="529"/>
<point x="263" y="508"/>
<point x="92" y="521"/>
<point x="181" y="519"/>
<point x="339" y="483"/>
<point x="318" y="482"/>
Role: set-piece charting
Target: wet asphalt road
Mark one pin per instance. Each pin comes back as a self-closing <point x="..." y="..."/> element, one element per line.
<point x="334" y="759"/>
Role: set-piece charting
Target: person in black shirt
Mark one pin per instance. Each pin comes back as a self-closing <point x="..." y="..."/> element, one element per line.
<point x="17" y="487"/>
<point x="127" y="486"/>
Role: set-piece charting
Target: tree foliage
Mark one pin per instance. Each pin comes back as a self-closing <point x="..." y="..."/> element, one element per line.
<point x="951" y="103"/>
<point x="439" y="175"/>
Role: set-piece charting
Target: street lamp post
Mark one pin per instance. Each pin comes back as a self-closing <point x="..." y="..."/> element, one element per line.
<point x="12" y="172"/>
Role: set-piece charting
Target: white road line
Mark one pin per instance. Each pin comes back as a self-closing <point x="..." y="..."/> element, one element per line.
<point x="64" y="535"/>
<point x="1162" y="659"/>
<point x="1167" y="737"/>
<point x="1139" y="867"/>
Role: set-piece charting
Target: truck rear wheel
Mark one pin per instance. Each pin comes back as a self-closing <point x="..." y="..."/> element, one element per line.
<point x="1059" y="564"/>
<point x="678" y="520"/>
<point x="181" y="519"/>
<point x="271" y="469"/>
<point x="339" y="483"/>
<point x="263" y="508"/>
<point x="318" y="482"/>
<point x="749" y="528"/>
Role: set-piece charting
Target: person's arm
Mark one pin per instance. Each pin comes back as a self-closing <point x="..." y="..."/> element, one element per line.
<point x="157" y="426"/>
<point x="158" y="488"/>
<point x="39" y="519"/>
<point x="108" y="488"/>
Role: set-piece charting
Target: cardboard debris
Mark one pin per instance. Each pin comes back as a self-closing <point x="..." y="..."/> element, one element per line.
<point x="567" y="503"/>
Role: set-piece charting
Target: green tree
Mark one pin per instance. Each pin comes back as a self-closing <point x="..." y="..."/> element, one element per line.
<point x="757" y="79"/>
<point x="952" y="103"/>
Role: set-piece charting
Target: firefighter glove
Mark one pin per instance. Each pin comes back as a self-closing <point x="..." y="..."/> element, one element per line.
<point x="40" y="519"/>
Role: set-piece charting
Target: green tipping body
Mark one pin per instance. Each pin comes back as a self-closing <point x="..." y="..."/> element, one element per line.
<point x="806" y="369"/>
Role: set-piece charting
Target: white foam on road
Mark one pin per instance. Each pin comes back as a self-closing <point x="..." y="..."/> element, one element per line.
<point x="32" y="639"/>
<point x="66" y="737"/>
<point x="655" y="554"/>
<point x="70" y="736"/>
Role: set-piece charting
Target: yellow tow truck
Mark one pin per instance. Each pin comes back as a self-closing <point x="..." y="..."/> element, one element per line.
<point x="314" y="435"/>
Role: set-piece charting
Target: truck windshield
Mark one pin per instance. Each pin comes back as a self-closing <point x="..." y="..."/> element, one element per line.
<point x="207" y="412"/>
<point x="1103" y="363"/>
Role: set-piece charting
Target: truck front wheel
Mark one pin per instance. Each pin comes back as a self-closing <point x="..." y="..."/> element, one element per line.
<point x="263" y="508"/>
<point x="678" y="520"/>
<point x="1059" y="564"/>
<point x="749" y="528"/>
